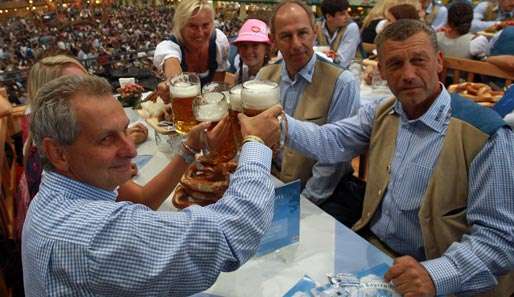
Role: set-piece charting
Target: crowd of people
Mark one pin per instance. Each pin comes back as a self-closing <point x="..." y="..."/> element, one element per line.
<point x="448" y="233"/>
<point x="101" y="38"/>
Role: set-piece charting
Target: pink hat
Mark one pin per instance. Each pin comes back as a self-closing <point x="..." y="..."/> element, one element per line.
<point x="253" y="31"/>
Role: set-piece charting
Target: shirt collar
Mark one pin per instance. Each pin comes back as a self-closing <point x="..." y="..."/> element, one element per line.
<point x="76" y="188"/>
<point x="306" y="72"/>
<point x="436" y="117"/>
<point x="428" y="10"/>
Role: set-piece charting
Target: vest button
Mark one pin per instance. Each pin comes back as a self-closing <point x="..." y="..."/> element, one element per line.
<point x="379" y="192"/>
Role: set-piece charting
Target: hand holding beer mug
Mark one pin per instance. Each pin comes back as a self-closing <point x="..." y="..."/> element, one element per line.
<point x="265" y="125"/>
<point x="184" y="88"/>
<point x="260" y="95"/>
<point x="219" y="145"/>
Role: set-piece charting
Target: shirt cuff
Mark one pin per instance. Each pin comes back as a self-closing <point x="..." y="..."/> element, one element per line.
<point x="255" y="152"/>
<point x="444" y="274"/>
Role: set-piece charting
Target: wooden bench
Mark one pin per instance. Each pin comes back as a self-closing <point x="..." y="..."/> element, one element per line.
<point x="457" y="66"/>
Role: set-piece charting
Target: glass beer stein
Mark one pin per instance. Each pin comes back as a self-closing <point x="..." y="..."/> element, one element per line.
<point x="184" y="88"/>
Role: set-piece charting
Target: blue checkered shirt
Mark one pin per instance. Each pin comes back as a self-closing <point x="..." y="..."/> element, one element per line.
<point x="344" y="103"/>
<point x="78" y="241"/>
<point x="488" y="250"/>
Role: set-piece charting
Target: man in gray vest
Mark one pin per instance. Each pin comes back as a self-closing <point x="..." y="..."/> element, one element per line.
<point x="339" y="31"/>
<point x="311" y="89"/>
<point x="440" y="188"/>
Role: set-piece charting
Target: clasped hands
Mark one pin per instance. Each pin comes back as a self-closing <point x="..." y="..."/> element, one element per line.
<point x="265" y="126"/>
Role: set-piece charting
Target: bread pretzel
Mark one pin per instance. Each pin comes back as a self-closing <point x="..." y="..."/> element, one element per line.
<point x="478" y="92"/>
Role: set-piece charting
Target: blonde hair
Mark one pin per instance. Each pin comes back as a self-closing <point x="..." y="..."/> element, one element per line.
<point x="48" y="69"/>
<point x="185" y="10"/>
<point x="378" y="11"/>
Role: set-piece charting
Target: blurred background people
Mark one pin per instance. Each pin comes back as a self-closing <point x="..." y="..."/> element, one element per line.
<point x="338" y="31"/>
<point x="398" y="12"/>
<point x="435" y="14"/>
<point x="491" y="13"/>
<point x="455" y="39"/>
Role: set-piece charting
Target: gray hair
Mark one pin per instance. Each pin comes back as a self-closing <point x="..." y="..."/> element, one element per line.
<point x="402" y="30"/>
<point x="53" y="115"/>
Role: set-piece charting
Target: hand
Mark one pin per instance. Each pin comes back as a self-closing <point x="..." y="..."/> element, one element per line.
<point x="133" y="169"/>
<point x="410" y="278"/>
<point x="331" y="54"/>
<point x="264" y="125"/>
<point x="138" y="133"/>
<point x="163" y="91"/>
<point x="196" y="137"/>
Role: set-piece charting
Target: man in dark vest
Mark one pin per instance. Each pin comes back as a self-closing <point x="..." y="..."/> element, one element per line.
<point x="338" y="31"/>
<point x="311" y="89"/>
<point x="440" y="188"/>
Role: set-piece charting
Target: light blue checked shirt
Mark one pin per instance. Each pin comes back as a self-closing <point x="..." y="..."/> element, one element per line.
<point x="441" y="18"/>
<point x="478" y="23"/>
<point x="345" y="102"/>
<point x="77" y="241"/>
<point x="349" y="43"/>
<point x="488" y="250"/>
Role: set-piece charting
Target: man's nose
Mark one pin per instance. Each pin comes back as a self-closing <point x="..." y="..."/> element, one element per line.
<point x="127" y="147"/>
<point x="295" y="41"/>
<point x="409" y="72"/>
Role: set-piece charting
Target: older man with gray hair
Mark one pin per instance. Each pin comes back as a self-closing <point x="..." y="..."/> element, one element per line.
<point x="440" y="187"/>
<point x="77" y="240"/>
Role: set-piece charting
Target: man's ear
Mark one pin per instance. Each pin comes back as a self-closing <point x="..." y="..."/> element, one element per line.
<point x="56" y="154"/>
<point x="381" y="70"/>
<point x="440" y="62"/>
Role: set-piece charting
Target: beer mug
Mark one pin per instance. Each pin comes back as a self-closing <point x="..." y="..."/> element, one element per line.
<point x="259" y="95"/>
<point x="210" y="107"/>
<point x="184" y="88"/>
<point x="219" y="145"/>
<point x="235" y="99"/>
<point x="235" y="108"/>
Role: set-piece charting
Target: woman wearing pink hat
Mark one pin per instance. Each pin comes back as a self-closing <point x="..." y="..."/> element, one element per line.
<point x="254" y="49"/>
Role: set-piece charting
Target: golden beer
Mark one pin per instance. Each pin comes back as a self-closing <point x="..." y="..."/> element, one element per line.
<point x="235" y="108"/>
<point x="184" y="88"/>
<point x="213" y="107"/>
<point x="259" y="95"/>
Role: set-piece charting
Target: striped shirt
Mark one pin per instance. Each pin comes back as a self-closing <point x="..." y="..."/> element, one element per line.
<point x="468" y="265"/>
<point x="77" y="241"/>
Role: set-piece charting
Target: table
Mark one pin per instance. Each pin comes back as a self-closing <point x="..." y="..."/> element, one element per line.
<point x="325" y="245"/>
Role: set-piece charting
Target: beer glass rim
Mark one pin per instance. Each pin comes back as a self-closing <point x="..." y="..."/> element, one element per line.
<point x="202" y="99"/>
<point x="268" y="82"/>
<point x="233" y="89"/>
<point x="192" y="77"/>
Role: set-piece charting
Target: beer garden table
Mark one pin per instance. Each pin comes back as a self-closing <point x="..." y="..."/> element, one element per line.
<point x="325" y="245"/>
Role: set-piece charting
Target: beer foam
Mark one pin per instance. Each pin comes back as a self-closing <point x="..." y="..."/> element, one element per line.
<point x="260" y="94"/>
<point x="235" y="98"/>
<point x="210" y="112"/>
<point x="182" y="89"/>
